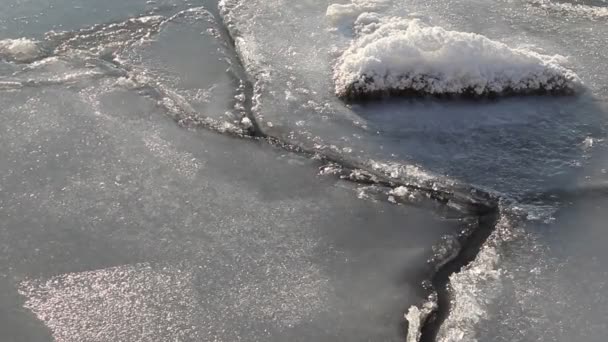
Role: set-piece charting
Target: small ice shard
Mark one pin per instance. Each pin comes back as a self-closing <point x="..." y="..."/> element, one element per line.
<point x="406" y="57"/>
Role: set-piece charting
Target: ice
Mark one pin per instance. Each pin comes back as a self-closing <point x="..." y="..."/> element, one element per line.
<point x="151" y="291"/>
<point x="552" y="284"/>
<point x="344" y="14"/>
<point x="551" y="259"/>
<point x="36" y="17"/>
<point x="417" y="318"/>
<point x="471" y="290"/>
<point x="553" y="266"/>
<point x="103" y="196"/>
<point x="409" y="57"/>
<point x="141" y="52"/>
<point x="102" y="193"/>
<point x="513" y="145"/>
<point x="599" y="11"/>
<point x="170" y="63"/>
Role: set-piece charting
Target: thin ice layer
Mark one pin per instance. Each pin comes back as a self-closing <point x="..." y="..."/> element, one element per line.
<point x="409" y="57"/>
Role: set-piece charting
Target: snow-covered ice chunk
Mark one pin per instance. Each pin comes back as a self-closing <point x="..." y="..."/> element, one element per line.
<point x="409" y="57"/>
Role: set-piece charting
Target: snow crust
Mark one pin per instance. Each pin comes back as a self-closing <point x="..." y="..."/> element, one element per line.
<point x="398" y="56"/>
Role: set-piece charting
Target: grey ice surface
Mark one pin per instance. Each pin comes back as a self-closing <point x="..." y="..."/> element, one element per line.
<point x="119" y="225"/>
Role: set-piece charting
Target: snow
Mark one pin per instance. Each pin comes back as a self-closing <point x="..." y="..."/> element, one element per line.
<point x="19" y="50"/>
<point x="367" y="22"/>
<point x="474" y="288"/>
<point x="399" y="56"/>
<point x="400" y="191"/>
<point x="148" y="19"/>
<point x="246" y="123"/>
<point x="569" y="8"/>
<point x="343" y="14"/>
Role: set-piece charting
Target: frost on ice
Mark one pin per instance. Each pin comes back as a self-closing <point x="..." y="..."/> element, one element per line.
<point x="401" y="57"/>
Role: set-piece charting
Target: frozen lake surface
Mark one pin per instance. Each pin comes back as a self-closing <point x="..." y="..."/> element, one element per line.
<point x="193" y="170"/>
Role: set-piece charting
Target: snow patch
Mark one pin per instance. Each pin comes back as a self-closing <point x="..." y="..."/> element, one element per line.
<point x="400" y="191"/>
<point x="20" y="50"/>
<point x="408" y="172"/>
<point x="340" y="15"/>
<point x="246" y="123"/>
<point x="86" y="306"/>
<point x="397" y="56"/>
<point x="149" y="19"/>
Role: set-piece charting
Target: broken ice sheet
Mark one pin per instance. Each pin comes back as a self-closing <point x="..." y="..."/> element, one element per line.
<point x="111" y="210"/>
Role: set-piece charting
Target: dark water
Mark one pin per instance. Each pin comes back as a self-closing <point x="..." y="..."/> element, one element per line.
<point x="158" y="183"/>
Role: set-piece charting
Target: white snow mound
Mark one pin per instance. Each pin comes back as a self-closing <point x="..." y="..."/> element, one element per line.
<point x="399" y="56"/>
